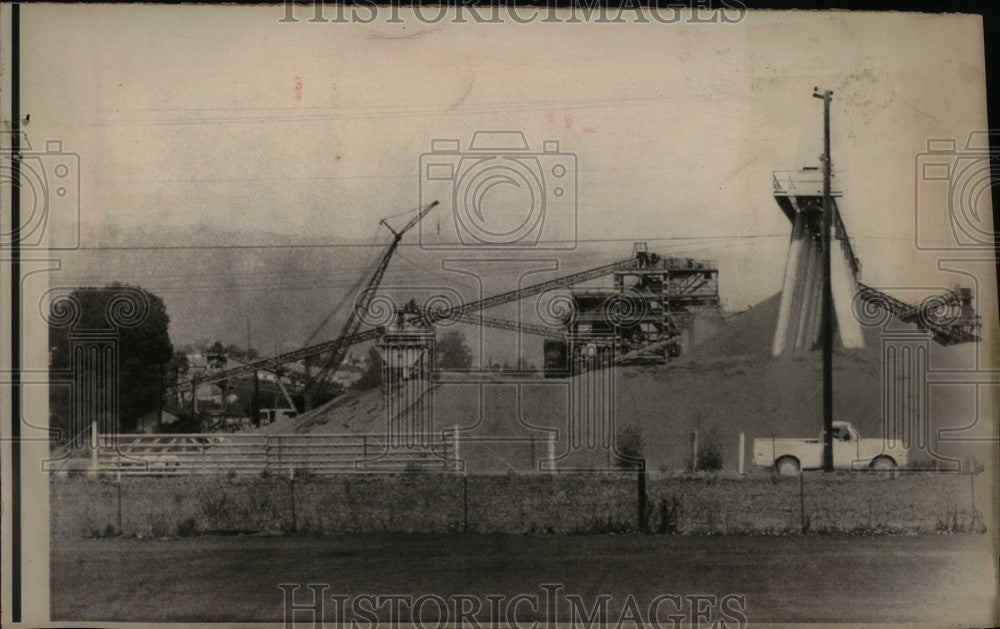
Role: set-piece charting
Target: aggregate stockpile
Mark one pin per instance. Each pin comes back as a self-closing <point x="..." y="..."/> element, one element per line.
<point x="728" y="384"/>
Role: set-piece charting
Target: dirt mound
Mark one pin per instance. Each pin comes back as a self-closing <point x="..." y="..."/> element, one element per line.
<point x="726" y="385"/>
<point x="353" y="412"/>
<point x="749" y="333"/>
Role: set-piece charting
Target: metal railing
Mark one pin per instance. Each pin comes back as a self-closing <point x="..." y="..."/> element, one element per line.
<point x="803" y="183"/>
<point x="183" y="454"/>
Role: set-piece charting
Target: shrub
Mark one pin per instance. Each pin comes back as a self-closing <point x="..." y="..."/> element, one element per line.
<point x="710" y="451"/>
<point x="187" y="528"/>
<point x="629" y="445"/>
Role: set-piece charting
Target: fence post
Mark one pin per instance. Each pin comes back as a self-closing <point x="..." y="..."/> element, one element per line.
<point x="974" y="515"/>
<point x="291" y="491"/>
<point x="93" y="448"/>
<point x="267" y="454"/>
<point x="743" y="449"/>
<point x="119" y="485"/>
<point x="802" y="503"/>
<point x="694" y="450"/>
<point x="364" y="447"/>
<point x="532" y="452"/>
<point x="458" y="460"/>
<point x="643" y="521"/>
<point x="552" y="453"/>
<point x="279" y="455"/>
<point x="465" y="503"/>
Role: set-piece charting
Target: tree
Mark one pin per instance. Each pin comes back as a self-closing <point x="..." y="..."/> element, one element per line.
<point x="372" y="377"/>
<point x="144" y="354"/>
<point x="453" y="353"/>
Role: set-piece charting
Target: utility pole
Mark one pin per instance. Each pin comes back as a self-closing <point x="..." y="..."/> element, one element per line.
<point x="827" y="321"/>
<point x="254" y="413"/>
<point x="159" y="398"/>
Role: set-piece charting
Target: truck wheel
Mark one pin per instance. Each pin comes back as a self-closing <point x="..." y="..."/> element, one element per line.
<point x="787" y="466"/>
<point x="883" y="463"/>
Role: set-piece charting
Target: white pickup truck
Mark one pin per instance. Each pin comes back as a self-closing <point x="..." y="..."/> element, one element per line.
<point x="850" y="452"/>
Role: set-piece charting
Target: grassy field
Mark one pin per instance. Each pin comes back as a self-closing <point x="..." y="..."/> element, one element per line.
<point x="929" y="578"/>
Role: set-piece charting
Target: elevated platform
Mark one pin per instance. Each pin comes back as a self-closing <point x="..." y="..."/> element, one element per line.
<point x="799" y="194"/>
<point x="795" y="189"/>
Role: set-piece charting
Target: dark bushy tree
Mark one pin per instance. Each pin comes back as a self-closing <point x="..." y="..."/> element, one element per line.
<point x="144" y="355"/>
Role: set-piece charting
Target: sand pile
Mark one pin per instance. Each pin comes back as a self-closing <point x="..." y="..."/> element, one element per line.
<point x="728" y="384"/>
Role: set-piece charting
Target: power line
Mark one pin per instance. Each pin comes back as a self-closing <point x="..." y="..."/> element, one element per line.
<point x="301" y="280"/>
<point x="456" y="245"/>
<point x="375" y="112"/>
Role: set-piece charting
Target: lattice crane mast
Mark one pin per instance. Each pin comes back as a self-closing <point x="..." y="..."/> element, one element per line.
<point x="354" y="318"/>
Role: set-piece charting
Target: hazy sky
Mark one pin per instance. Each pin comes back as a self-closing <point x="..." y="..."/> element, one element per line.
<point x="223" y="117"/>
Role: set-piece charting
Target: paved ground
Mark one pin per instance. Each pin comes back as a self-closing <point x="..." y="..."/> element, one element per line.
<point x="930" y="578"/>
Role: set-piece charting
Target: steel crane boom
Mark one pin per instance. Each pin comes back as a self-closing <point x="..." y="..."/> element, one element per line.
<point x="464" y="312"/>
<point x="355" y="317"/>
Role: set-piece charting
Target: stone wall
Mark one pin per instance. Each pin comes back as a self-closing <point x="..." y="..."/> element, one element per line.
<point x="839" y="502"/>
<point x="411" y="503"/>
<point x="561" y="503"/>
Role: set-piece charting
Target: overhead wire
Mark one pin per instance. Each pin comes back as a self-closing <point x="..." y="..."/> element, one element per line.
<point x="456" y="245"/>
